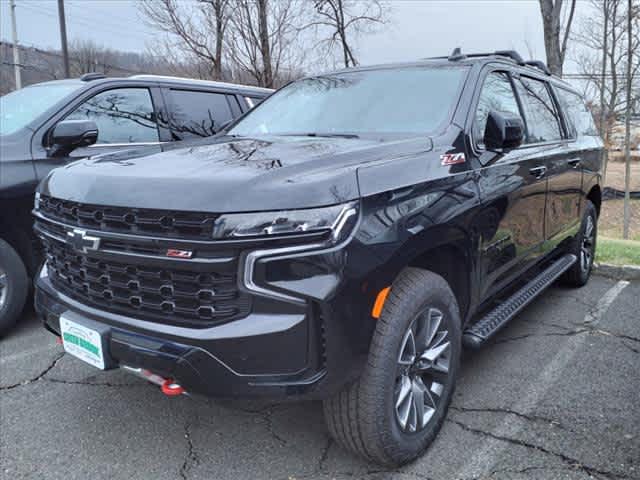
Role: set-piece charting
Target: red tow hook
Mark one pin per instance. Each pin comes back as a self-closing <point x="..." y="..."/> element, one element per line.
<point x="171" y="389"/>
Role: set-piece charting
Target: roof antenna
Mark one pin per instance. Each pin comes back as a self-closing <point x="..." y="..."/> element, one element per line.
<point x="456" y="55"/>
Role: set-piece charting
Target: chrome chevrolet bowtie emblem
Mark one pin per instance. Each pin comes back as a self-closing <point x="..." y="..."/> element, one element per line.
<point x="79" y="240"/>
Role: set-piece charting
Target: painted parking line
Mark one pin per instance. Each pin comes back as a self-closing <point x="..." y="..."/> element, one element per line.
<point x="604" y="303"/>
<point x="486" y="457"/>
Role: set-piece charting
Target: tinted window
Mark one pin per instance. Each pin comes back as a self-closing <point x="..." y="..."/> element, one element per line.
<point x="123" y="115"/>
<point x="406" y="100"/>
<point x="540" y="112"/>
<point x="197" y="114"/>
<point x="497" y="94"/>
<point x="579" y="118"/>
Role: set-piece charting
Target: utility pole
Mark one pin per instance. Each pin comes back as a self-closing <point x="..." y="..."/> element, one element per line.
<point x="63" y="38"/>
<point x="627" y="133"/>
<point x="16" y="51"/>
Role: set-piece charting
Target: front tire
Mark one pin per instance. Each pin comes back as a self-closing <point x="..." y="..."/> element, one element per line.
<point x="396" y="408"/>
<point x="14" y="287"/>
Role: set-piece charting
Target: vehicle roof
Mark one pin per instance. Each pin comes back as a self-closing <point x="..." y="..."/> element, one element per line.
<point x="463" y="62"/>
<point x="165" y="80"/>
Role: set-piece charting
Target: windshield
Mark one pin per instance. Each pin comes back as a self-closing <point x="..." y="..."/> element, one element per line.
<point x="406" y="100"/>
<point x="20" y="107"/>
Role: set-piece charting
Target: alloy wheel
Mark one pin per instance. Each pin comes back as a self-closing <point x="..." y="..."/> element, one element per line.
<point x="4" y="280"/>
<point x="588" y="243"/>
<point x="422" y="370"/>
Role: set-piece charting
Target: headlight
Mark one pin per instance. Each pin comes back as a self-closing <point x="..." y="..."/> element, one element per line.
<point x="334" y="220"/>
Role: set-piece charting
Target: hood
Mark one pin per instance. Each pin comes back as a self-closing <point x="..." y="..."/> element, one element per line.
<point x="228" y="174"/>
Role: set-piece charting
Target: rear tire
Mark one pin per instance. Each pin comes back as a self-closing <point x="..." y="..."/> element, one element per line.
<point x="396" y="408"/>
<point x="584" y="248"/>
<point x="14" y="287"/>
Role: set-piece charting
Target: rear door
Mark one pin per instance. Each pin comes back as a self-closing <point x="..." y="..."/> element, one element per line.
<point x="583" y="139"/>
<point x="547" y="138"/>
<point x="513" y="191"/>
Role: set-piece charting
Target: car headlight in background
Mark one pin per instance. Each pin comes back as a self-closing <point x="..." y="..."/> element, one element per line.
<point x="334" y="220"/>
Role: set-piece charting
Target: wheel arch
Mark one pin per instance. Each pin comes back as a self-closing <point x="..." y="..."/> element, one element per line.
<point x="444" y="250"/>
<point x="595" y="196"/>
<point x="16" y="228"/>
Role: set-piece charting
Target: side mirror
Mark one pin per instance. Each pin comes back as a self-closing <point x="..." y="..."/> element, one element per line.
<point x="504" y="131"/>
<point x="71" y="134"/>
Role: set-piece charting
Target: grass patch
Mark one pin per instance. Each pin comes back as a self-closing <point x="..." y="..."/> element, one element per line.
<point x="610" y="221"/>
<point x="618" y="252"/>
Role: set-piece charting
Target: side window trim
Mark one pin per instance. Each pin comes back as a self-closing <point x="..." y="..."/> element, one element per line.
<point x="563" y="138"/>
<point x="564" y="114"/>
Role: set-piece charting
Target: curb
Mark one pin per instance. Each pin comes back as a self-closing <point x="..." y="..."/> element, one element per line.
<point x="619" y="272"/>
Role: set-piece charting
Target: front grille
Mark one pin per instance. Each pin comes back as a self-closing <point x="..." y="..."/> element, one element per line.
<point x="173" y="293"/>
<point x="139" y="221"/>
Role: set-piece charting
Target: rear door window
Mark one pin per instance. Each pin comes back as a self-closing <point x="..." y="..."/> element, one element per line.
<point x="579" y="117"/>
<point x="543" y="122"/>
<point x="197" y="113"/>
<point x="497" y="95"/>
<point x="123" y="115"/>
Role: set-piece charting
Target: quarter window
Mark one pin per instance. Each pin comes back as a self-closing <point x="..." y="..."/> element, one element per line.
<point x="197" y="114"/>
<point x="497" y="95"/>
<point x="543" y="124"/>
<point x="123" y="115"/>
<point x="579" y="118"/>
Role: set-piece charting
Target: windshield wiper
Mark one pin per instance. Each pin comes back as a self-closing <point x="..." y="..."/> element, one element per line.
<point x="327" y="135"/>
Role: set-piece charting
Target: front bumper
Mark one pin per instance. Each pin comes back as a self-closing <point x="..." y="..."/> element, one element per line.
<point x="259" y="355"/>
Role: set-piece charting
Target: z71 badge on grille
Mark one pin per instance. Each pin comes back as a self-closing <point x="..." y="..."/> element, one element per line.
<point x="179" y="253"/>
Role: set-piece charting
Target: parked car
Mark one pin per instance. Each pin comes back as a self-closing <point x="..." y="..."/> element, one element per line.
<point x="47" y="125"/>
<point x="341" y="242"/>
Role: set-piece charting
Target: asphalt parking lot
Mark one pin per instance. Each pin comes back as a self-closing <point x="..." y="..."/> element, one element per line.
<point x="556" y="396"/>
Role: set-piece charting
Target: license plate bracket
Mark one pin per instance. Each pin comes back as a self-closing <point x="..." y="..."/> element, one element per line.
<point x="85" y="339"/>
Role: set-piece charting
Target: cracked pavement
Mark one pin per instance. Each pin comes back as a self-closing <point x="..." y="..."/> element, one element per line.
<point x="555" y="396"/>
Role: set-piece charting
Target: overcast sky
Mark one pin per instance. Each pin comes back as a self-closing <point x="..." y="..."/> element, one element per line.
<point x="416" y="28"/>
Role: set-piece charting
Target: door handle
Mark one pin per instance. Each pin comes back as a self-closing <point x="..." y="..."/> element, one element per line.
<point x="574" y="162"/>
<point x="538" y="172"/>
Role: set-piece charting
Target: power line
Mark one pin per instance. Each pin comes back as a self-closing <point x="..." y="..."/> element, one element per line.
<point x="76" y="20"/>
<point x="58" y="55"/>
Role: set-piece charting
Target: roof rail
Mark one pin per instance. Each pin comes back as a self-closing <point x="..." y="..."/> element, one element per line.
<point x="457" y="55"/>
<point x="87" y="77"/>
<point x="538" y="64"/>
<point x="512" y="54"/>
<point x="197" y="81"/>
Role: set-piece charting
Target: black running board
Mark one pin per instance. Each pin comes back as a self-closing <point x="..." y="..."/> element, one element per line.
<point x="481" y="331"/>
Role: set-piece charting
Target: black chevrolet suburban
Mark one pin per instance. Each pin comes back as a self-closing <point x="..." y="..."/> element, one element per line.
<point x="50" y="124"/>
<point x="342" y="241"/>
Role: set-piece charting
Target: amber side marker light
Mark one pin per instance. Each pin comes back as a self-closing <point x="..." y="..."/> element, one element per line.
<point x="379" y="303"/>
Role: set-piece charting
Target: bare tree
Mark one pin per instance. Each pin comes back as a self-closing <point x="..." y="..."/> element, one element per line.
<point x="603" y="56"/>
<point x="555" y="35"/>
<point x="87" y="56"/>
<point x="196" y="31"/>
<point x="342" y="20"/>
<point x="263" y="43"/>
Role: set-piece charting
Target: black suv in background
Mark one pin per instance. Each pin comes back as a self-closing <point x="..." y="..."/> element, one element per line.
<point x="342" y="241"/>
<point x="49" y="124"/>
